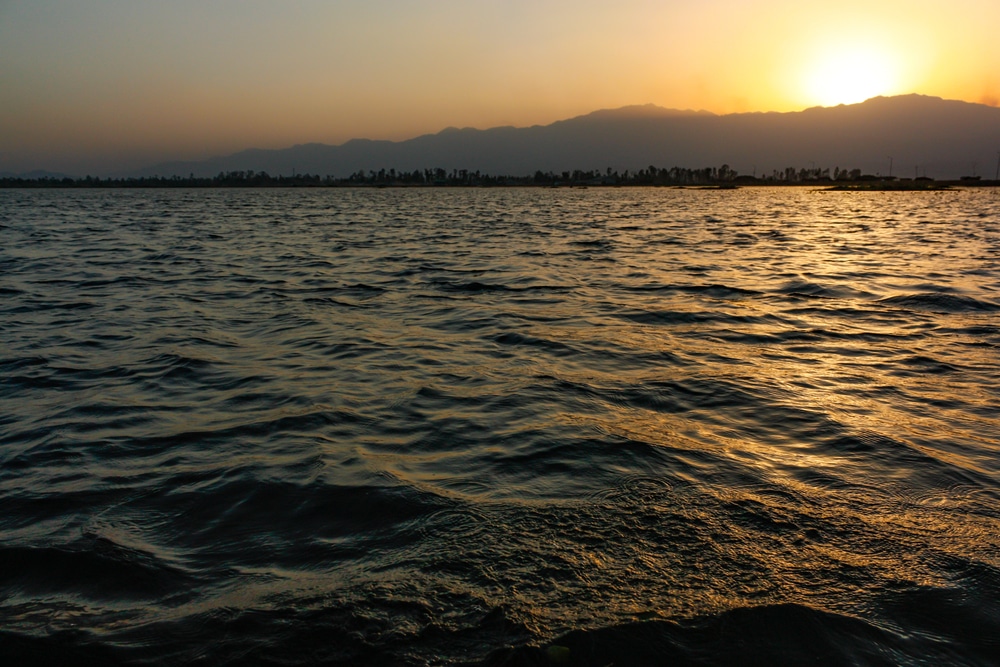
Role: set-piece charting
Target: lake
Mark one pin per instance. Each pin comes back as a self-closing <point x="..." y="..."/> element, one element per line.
<point x="509" y="426"/>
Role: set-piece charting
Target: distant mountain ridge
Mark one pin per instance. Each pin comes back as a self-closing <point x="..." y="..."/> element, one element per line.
<point x="911" y="134"/>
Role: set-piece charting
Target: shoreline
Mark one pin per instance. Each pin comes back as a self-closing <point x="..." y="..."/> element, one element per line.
<point x="199" y="184"/>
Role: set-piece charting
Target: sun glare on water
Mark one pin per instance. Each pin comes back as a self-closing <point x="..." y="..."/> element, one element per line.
<point x="848" y="76"/>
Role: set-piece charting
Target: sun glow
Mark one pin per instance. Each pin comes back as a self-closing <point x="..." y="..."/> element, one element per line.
<point x="850" y="75"/>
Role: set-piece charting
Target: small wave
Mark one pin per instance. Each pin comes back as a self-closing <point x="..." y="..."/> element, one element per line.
<point x="803" y="288"/>
<point x="720" y="291"/>
<point x="334" y="302"/>
<point x="97" y="568"/>
<point x="593" y="243"/>
<point x="41" y="306"/>
<point x="363" y="287"/>
<point x="668" y="317"/>
<point x="517" y="339"/>
<point x="937" y="302"/>
<point x="474" y="286"/>
<point x="715" y="291"/>
<point x="786" y="634"/>
<point x="919" y="364"/>
<point x="307" y="422"/>
<point x="177" y="367"/>
<point x="14" y="363"/>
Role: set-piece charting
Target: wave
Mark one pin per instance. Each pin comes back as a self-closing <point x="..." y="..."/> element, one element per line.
<point x="940" y="302"/>
<point x="787" y="634"/>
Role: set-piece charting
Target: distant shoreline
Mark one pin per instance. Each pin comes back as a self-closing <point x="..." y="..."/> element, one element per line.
<point x="682" y="179"/>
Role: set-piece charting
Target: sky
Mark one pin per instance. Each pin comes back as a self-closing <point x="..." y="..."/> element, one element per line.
<point x="103" y="86"/>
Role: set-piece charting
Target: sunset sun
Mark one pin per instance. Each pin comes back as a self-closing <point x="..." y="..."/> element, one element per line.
<point x="848" y="76"/>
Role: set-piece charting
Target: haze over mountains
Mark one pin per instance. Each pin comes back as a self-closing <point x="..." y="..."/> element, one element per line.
<point x="942" y="139"/>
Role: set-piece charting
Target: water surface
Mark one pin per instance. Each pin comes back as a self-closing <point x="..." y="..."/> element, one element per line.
<point x="460" y="426"/>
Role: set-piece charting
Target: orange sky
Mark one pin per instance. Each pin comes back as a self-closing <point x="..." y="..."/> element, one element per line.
<point x="117" y="84"/>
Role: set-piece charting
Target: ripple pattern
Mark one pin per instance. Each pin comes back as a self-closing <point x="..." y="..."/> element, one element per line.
<point x="500" y="426"/>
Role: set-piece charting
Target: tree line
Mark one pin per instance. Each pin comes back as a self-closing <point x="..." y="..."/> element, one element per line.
<point x="652" y="175"/>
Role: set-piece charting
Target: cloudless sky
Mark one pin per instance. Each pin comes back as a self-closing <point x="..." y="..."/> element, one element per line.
<point x="103" y="85"/>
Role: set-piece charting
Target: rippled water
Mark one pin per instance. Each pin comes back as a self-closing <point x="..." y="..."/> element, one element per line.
<point x="500" y="426"/>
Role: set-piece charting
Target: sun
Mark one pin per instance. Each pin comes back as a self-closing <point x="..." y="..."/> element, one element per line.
<point x="849" y="75"/>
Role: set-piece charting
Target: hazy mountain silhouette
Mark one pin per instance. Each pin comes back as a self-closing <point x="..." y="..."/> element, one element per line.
<point x="943" y="138"/>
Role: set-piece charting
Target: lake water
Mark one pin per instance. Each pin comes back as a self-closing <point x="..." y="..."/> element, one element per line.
<point x="500" y="426"/>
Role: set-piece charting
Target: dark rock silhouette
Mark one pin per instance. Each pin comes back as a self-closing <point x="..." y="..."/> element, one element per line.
<point x="942" y="139"/>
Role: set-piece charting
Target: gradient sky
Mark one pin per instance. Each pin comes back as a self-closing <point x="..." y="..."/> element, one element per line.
<point x="106" y="85"/>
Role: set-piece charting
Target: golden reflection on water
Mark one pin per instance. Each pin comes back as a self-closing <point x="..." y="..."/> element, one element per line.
<point x="866" y="369"/>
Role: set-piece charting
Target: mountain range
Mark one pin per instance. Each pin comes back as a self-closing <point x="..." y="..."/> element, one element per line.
<point x="904" y="135"/>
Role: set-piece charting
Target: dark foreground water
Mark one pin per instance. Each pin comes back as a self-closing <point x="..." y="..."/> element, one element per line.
<point x="518" y="427"/>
